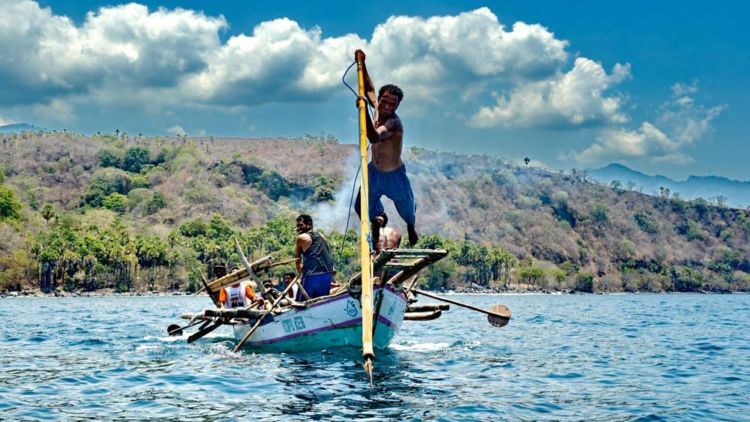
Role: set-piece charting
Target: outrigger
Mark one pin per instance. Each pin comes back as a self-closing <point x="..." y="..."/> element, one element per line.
<point x="365" y="312"/>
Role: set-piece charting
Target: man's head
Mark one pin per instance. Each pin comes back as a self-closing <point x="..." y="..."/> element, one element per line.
<point x="389" y="98"/>
<point x="220" y="270"/>
<point x="304" y="223"/>
<point x="288" y="277"/>
<point x="383" y="218"/>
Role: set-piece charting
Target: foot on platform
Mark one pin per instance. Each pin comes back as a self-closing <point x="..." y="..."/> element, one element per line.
<point x="413" y="236"/>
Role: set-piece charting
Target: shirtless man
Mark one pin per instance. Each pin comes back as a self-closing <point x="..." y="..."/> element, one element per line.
<point x="389" y="237"/>
<point x="386" y="172"/>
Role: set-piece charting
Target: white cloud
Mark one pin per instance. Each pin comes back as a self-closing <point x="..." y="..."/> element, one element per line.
<point x="681" y="123"/>
<point x="279" y="61"/>
<point x="680" y="89"/>
<point x="121" y="49"/>
<point x="571" y="99"/>
<point x="676" y="158"/>
<point x="622" y="143"/>
<point x="128" y="45"/>
<point x="687" y="121"/>
<point x="432" y="54"/>
<point x="130" y="58"/>
<point x="177" y="130"/>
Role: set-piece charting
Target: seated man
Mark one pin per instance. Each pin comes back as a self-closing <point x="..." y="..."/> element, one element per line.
<point x="286" y="281"/>
<point x="314" y="259"/>
<point x="237" y="295"/>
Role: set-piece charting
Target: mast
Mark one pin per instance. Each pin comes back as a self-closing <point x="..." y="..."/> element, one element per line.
<point x="364" y="229"/>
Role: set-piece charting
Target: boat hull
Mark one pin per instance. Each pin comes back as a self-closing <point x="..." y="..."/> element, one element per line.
<point x="333" y="322"/>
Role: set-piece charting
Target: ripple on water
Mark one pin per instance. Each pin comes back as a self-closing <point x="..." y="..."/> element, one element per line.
<point x="88" y="342"/>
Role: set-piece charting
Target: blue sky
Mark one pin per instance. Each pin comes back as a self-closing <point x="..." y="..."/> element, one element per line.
<point x="659" y="86"/>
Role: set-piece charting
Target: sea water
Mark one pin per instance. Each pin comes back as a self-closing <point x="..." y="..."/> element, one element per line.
<point x="561" y="357"/>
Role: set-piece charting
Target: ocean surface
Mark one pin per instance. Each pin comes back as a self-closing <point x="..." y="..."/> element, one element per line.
<point x="561" y="357"/>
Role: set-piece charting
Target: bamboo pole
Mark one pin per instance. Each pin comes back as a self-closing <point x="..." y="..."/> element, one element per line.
<point x="364" y="226"/>
<point x="247" y="266"/>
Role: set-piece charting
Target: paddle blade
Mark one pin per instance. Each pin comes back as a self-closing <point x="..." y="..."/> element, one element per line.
<point x="203" y="332"/>
<point x="174" y="330"/>
<point x="501" y="316"/>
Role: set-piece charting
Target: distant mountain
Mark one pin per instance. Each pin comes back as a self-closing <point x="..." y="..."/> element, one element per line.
<point x="736" y="193"/>
<point x="18" y="128"/>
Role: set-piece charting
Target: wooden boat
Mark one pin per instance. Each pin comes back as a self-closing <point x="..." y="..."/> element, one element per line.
<point x="334" y="320"/>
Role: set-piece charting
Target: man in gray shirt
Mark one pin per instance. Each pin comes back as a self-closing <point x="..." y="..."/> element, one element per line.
<point x="314" y="258"/>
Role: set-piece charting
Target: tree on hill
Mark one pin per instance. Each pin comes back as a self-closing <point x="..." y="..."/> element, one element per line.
<point x="135" y="158"/>
<point x="10" y="208"/>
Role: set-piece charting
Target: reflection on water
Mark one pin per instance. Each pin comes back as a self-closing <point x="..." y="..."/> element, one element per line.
<point x="561" y="357"/>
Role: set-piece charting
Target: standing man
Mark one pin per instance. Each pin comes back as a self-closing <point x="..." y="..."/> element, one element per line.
<point x="386" y="171"/>
<point x="314" y="259"/>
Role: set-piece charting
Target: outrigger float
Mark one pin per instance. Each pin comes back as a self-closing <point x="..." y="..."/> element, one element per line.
<point x="365" y="312"/>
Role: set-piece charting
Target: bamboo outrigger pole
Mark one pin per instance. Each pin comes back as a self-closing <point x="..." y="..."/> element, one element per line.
<point x="364" y="228"/>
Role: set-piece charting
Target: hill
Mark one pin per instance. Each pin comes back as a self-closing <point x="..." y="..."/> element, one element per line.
<point x="19" y="128"/>
<point x="123" y="212"/>
<point x="719" y="190"/>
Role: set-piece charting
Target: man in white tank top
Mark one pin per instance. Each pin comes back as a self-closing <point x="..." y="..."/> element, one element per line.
<point x="237" y="295"/>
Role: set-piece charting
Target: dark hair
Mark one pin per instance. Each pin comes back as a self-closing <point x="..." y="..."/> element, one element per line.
<point x="393" y="90"/>
<point x="305" y="219"/>
<point x="289" y="274"/>
<point x="385" y="217"/>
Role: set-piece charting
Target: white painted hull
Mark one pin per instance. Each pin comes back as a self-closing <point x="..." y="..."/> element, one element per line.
<point x="334" y="322"/>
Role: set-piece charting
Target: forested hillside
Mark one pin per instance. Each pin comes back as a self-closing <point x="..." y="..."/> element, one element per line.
<point x="139" y="213"/>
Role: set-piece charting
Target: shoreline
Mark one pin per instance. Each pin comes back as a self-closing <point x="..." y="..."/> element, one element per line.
<point x="463" y="291"/>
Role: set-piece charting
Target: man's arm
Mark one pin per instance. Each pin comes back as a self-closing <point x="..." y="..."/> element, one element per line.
<point x="384" y="131"/>
<point x="303" y="242"/>
<point x="249" y="292"/>
<point x="222" y="297"/>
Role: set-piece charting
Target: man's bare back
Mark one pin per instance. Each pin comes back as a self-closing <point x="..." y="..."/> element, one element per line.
<point x="389" y="238"/>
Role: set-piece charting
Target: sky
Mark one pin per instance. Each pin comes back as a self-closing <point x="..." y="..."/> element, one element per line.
<point x="659" y="86"/>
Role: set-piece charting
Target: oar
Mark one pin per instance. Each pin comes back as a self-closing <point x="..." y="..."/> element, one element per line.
<point x="176" y="330"/>
<point x="202" y="332"/>
<point x="265" y="314"/>
<point x="498" y="316"/>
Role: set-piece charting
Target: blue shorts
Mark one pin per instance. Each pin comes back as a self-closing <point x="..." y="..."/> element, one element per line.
<point x="394" y="185"/>
<point x="316" y="285"/>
